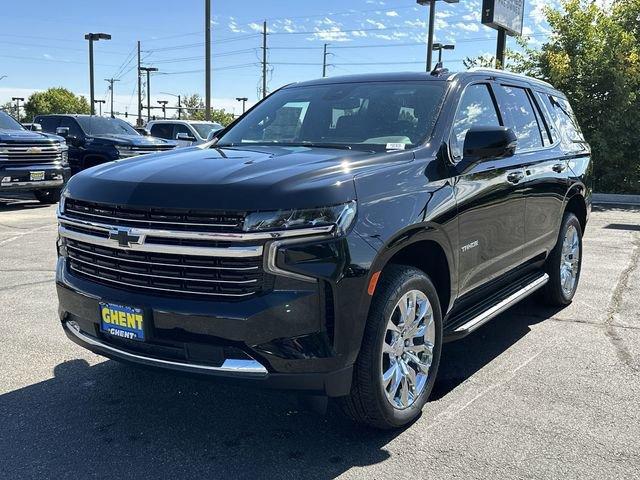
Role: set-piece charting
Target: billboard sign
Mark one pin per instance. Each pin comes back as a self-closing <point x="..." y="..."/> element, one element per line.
<point x="504" y="14"/>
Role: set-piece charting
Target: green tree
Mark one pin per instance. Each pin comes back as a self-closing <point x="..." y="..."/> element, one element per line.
<point x="194" y="106"/>
<point x="55" y="100"/>
<point x="593" y="56"/>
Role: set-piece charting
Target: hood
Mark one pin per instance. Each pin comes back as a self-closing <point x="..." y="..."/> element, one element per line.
<point x="19" y="136"/>
<point x="137" y="140"/>
<point x="231" y="179"/>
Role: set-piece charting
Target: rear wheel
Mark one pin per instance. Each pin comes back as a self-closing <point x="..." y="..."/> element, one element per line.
<point x="398" y="361"/>
<point x="564" y="263"/>
<point x="48" y="196"/>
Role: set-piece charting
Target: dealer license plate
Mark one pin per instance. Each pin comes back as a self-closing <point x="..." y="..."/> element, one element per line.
<point x="122" y="321"/>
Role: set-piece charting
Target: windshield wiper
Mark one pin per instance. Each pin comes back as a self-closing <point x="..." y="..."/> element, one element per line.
<point x="340" y="146"/>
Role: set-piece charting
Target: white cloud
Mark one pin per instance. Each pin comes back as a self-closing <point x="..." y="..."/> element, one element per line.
<point x="256" y="27"/>
<point x="375" y="23"/>
<point x="392" y="13"/>
<point x="468" y="27"/>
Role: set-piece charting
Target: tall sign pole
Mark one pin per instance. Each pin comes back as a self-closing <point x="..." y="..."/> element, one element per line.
<point x="430" y="33"/>
<point x="506" y="16"/>
<point x="139" y="89"/>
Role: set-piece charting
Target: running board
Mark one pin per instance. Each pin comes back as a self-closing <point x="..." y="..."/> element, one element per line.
<point x="462" y="325"/>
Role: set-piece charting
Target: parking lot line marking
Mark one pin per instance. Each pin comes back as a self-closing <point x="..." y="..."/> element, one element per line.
<point x="22" y="234"/>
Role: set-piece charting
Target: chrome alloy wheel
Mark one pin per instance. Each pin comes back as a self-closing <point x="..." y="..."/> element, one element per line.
<point x="569" y="260"/>
<point x="407" y="349"/>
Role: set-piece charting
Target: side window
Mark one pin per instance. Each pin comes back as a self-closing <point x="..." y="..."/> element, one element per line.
<point x="181" y="129"/>
<point x="521" y="118"/>
<point x="476" y="109"/>
<point x="548" y="118"/>
<point x="162" y="130"/>
<point x="570" y="133"/>
<point x="74" y="128"/>
<point x="49" y="124"/>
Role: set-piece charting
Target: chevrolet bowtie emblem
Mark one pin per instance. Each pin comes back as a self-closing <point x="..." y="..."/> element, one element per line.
<point x="124" y="237"/>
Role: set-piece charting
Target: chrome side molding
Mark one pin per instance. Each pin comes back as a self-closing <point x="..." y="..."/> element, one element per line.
<point x="240" y="367"/>
<point x="497" y="309"/>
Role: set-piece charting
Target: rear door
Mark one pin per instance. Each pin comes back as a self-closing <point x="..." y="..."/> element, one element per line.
<point x="490" y="199"/>
<point x="180" y="128"/>
<point x="546" y="178"/>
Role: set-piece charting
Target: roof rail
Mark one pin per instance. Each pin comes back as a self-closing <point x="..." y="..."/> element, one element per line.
<point x="504" y="73"/>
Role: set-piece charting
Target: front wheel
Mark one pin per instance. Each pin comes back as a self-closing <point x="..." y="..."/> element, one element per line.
<point x="398" y="361"/>
<point x="48" y="196"/>
<point x="564" y="263"/>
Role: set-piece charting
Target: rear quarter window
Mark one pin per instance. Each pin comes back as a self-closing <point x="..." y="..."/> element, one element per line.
<point x="565" y="121"/>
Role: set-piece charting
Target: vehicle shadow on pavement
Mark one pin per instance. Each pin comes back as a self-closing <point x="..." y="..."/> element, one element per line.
<point x="115" y="421"/>
<point x="9" y="204"/>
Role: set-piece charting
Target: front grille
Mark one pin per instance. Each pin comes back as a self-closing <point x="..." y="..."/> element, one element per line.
<point x="153" y="218"/>
<point x="167" y="274"/>
<point x="23" y="153"/>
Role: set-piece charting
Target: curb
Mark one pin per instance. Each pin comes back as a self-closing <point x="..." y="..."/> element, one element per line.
<point x="615" y="199"/>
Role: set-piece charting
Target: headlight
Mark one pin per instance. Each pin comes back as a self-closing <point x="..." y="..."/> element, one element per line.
<point x="339" y="215"/>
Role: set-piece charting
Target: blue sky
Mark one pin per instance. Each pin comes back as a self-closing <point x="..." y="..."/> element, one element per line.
<point x="42" y="44"/>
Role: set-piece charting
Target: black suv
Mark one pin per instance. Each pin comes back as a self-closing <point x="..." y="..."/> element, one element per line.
<point x="334" y="236"/>
<point x="32" y="161"/>
<point x="94" y="140"/>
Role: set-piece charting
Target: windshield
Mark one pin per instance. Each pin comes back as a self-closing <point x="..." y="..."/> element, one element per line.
<point x="105" y="126"/>
<point x="8" y="123"/>
<point x="373" y="115"/>
<point x="204" y="129"/>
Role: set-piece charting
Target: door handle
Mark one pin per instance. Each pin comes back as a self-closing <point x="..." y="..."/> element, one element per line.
<point x="515" y="177"/>
<point x="559" y="167"/>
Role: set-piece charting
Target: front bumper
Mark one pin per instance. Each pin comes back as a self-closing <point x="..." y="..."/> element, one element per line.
<point x="13" y="178"/>
<point x="279" y="339"/>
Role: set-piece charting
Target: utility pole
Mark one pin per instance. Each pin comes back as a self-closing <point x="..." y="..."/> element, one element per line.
<point x="264" y="59"/>
<point x="244" y="103"/>
<point x="93" y="37"/>
<point x="111" y="82"/>
<point x="207" y="62"/>
<point x="148" y="70"/>
<point x="139" y="121"/>
<point x="100" y="102"/>
<point x="17" y="100"/>
<point x="324" y="60"/>
<point x="164" y="108"/>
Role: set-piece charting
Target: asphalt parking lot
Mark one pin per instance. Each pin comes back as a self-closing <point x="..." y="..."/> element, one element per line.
<point x="537" y="393"/>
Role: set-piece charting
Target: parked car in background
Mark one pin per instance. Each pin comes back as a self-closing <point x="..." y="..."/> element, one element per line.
<point x="334" y="237"/>
<point x="32" y="161"/>
<point x="142" y="131"/>
<point x="185" y="132"/>
<point x="94" y="140"/>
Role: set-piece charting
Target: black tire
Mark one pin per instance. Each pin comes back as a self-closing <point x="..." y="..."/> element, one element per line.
<point x="48" y="197"/>
<point x="553" y="293"/>
<point x="367" y="403"/>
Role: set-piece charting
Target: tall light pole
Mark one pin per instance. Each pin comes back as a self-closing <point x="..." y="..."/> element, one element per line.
<point x="93" y="37"/>
<point x="439" y="47"/>
<point x="111" y="82"/>
<point x="207" y="61"/>
<point x="432" y="19"/>
<point x="17" y="100"/>
<point x="164" y="108"/>
<point x="244" y="103"/>
<point x="179" y="102"/>
<point x="100" y="102"/>
<point x="148" y="70"/>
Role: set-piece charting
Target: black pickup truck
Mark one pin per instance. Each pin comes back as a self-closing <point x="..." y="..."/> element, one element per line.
<point x="333" y="237"/>
<point x="32" y="161"/>
<point x="94" y="140"/>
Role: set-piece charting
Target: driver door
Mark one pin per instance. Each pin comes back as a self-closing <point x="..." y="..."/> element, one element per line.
<point x="489" y="197"/>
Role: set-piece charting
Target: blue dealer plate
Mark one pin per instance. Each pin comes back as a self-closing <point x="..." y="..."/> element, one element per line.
<point x="122" y="321"/>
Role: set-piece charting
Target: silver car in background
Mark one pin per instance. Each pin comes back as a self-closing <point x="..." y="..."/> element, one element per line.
<point x="185" y="132"/>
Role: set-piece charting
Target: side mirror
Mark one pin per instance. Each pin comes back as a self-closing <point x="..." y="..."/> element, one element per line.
<point x="62" y="131"/>
<point x="185" y="137"/>
<point x="486" y="143"/>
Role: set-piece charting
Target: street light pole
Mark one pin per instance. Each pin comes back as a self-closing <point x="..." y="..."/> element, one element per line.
<point x="440" y="46"/>
<point x="17" y="100"/>
<point x="432" y="20"/>
<point x="148" y="70"/>
<point x="244" y="103"/>
<point x="164" y="108"/>
<point x="179" y="102"/>
<point x="93" y="37"/>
